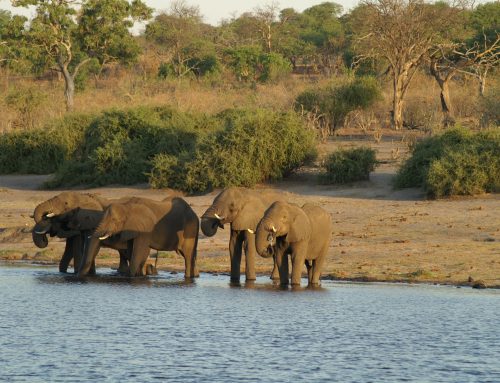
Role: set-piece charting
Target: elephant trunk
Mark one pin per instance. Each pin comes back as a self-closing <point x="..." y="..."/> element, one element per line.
<point x="40" y="240"/>
<point x="263" y="245"/>
<point x="211" y="221"/>
<point x="41" y="210"/>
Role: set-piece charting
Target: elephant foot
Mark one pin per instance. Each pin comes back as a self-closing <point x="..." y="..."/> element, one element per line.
<point x="151" y="270"/>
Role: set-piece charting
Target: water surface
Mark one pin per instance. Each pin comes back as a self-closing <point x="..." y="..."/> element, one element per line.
<point x="55" y="328"/>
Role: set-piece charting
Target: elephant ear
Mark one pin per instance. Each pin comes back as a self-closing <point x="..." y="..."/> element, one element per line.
<point x="300" y="228"/>
<point x="140" y="219"/>
<point x="249" y="216"/>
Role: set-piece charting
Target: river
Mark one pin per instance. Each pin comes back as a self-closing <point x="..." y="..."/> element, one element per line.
<point x="56" y="328"/>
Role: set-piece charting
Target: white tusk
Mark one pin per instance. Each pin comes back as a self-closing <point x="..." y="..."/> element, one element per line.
<point x="32" y="216"/>
<point x="41" y="232"/>
<point x="50" y="215"/>
<point x="104" y="237"/>
<point x="218" y="217"/>
<point x="273" y="229"/>
<point x="251" y="231"/>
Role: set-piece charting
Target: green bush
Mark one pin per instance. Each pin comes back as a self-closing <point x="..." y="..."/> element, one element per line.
<point x="249" y="63"/>
<point x="335" y="102"/>
<point x="349" y="165"/>
<point x="118" y="146"/>
<point x="167" y="148"/>
<point x="249" y="146"/>
<point x="42" y="151"/>
<point x="458" y="162"/>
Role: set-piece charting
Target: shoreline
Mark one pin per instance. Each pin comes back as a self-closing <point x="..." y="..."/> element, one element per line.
<point x="475" y="284"/>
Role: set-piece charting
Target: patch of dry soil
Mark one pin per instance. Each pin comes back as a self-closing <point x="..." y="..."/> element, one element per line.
<point x="380" y="234"/>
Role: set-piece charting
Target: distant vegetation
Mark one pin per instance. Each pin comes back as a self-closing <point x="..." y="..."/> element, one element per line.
<point x="167" y="148"/>
<point x="84" y="98"/>
<point x="457" y="162"/>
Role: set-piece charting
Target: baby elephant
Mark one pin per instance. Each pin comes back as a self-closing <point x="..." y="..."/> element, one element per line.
<point x="303" y="233"/>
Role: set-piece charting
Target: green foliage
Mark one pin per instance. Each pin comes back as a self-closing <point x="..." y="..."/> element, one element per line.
<point x="249" y="63"/>
<point x="164" y="147"/>
<point x="42" y="151"/>
<point x="490" y="107"/>
<point x="457" y="162"/>
<point x="349" y="165"/>
<point x="335" y="102"/>
<point x="246" y="147"/>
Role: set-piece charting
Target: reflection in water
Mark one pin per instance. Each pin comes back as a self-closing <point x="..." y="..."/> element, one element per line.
<point x="108" y="328"/>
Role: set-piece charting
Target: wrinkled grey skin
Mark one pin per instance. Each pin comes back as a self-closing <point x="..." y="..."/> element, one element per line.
<point x="140" y="224"/>
<point x="58" y="216"/>
<point x="242" y="208"/>
<point x="304" y="233"/>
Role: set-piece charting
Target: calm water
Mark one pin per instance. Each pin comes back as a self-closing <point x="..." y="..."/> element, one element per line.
<point x="54" y="328"/>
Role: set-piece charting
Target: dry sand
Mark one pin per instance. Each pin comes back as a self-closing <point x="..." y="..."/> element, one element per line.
<point x="380" y="234"/>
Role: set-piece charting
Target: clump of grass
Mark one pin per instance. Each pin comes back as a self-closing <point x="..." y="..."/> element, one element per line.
<point x="349" y="165"/>
<point x="458" y="162"/>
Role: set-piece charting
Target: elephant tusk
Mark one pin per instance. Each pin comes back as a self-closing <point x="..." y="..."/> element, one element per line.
<point x="50" y="215"/>
<point x="32" y="216"/>
<point x="218" y="217"/>
<point x="273" y="229"/>
<point x="251" y="231"/>
<point x="41" y="232"/>
<point x="104" y="237"/>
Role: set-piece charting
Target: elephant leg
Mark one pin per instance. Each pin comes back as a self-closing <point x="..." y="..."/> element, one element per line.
<point x="235" y="250"/>
<point x="275" y="275"/>
<point x="298" y="260"/>
<point x="91" y="248"/>
<point x="67" y="256"/>
<point x="282" y="262"/>
<point x="188" y="251"/>
<point x="309" y="266"/>
<point x="123" y="267"/>
<point x="317" y="267"/>
<point x="76" y="251"/>
<point x="139" y="254"/>
<point x="250" y="252"/>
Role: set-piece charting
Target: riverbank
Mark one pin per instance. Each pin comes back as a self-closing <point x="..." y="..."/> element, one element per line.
<point x="380" y="234"/>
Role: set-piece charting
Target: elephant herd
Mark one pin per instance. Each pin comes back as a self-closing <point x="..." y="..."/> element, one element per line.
<point x="260" y="222"/>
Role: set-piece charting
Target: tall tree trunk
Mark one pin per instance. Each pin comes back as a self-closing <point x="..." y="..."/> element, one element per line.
<point x="397" y="103"/>
<point x="69" y="88"/>
<point x="443" y="79"/>
<point x="446" y="106"/>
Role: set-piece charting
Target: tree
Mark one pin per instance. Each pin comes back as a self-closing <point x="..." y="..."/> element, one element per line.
<point x="72" y="33"/>
<point x="401" y="32"/>
<point x="182" y="39"/>
<point x="11" y="29"/>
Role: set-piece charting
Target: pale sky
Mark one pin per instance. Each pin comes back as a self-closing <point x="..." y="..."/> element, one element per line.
<point x="214" y="10"/>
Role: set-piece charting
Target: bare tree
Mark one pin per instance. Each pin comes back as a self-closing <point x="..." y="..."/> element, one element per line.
<point x="266" y="17"/>
<point x="400" y="32"/>
<point x="446" y="60"/>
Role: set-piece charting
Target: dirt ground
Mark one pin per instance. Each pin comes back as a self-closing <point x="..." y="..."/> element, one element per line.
<point x="380" y="234"/>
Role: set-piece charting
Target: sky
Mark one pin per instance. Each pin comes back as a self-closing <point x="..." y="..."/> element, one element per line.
<point x="215" y="10"/>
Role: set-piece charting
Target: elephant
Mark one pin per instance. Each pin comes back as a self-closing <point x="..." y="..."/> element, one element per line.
<point x="140" y="224"/>
<point x="52" y="216"/>
<point x="59" y="216"/>
<point x="242" y="208"/>
<point x="304" y="233"/>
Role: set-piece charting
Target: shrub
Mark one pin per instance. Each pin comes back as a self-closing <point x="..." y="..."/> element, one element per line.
<point x="335" y="102"/>
<point x="119" y="145"/>
<point x="249" y="63"/>
<point x="249" y="146"/>
<point x="349" y="165"/>
<point x="457" y="162"/>
<point x="42" y="151"/>
<point x="26" y="102"/>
